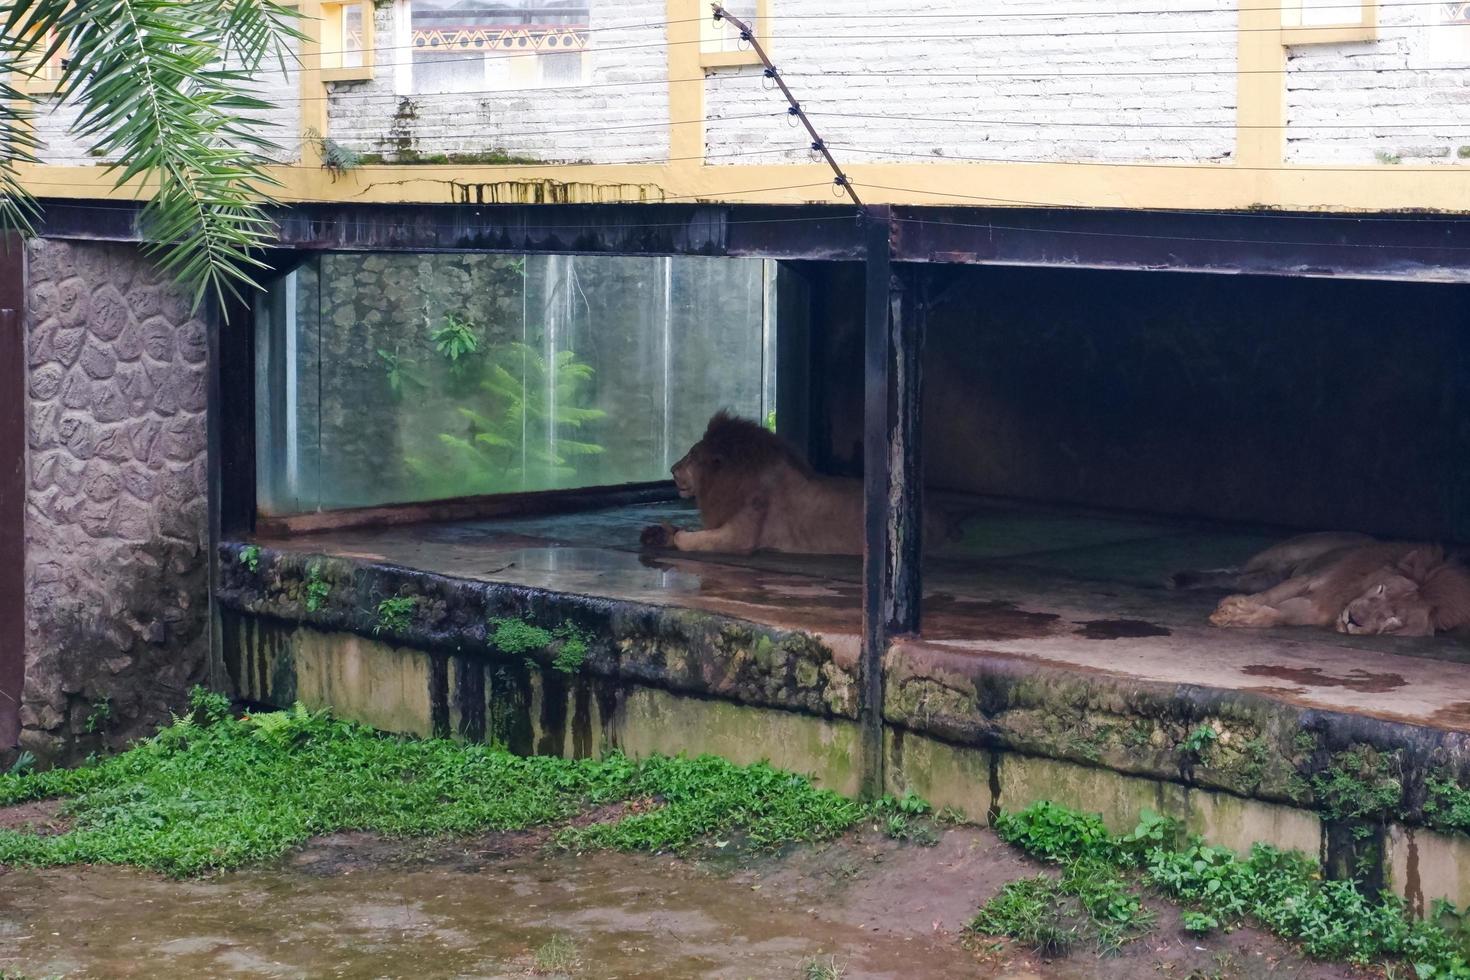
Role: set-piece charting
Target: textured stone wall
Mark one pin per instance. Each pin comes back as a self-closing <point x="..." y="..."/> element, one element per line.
<point x="116" y="519"/>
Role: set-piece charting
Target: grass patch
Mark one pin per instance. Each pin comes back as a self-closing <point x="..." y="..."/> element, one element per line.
<point x="822" y="968"/>
<point x="212" y="791"/>
<point x="1090" y="902"/>
<point x="559" y="954"/>
<point x="1279" y="890"/>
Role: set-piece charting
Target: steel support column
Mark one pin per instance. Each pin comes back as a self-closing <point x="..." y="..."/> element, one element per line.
<point x="892" y="478"/>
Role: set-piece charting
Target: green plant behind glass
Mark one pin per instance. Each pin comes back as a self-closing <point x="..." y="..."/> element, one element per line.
<point x="496" y="437"/>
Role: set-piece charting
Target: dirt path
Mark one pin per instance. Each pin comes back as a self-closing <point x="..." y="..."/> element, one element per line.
<point x="498" y="906"/>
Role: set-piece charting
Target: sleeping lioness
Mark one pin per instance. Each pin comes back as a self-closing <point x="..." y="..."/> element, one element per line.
<point x="756" y="494"/>
<point x="1348" y="582"/>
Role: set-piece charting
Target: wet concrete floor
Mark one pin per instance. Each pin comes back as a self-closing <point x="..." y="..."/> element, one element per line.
<point x="351" y="906"/>
<point x="1083" y="592"/>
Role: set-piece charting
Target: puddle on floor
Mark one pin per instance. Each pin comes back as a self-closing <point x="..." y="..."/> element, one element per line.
<point x="354" y="906"/>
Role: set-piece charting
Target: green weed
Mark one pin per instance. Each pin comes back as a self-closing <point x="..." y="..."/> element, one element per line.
<point x="1281" y="891"/>
<point x="822" y="968"/>
<point x="99" y="717"/>
<point x="213" y="791"/>
<point x="1199" y="742"/>
<point x="517" y="638"/>
<point x="250" y="557"/>
<point x="317" y="589"/>
<point x="395" y="614"/>
<point x="557" y="955"/>
<point x="1446" y="804"/>
<point x="1034" y="911"/>
<point x="1359" y="785"/>
<point x="23" y="763"/>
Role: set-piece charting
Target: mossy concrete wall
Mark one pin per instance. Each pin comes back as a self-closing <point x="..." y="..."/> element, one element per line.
<point x="1386" y="803"/>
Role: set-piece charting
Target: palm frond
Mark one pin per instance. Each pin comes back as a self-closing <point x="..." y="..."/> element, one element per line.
<point x="154" y="87"/>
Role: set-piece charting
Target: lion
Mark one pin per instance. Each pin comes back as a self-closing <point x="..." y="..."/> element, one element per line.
<point x="756" y="494"/>
<point x="1353" y="584"/>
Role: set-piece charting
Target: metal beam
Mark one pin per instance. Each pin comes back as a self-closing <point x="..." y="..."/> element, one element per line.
<point x="877" y="354"/>
<point x="1403" y="247"/>
<point x="908" y="312"/>
<point x="743" y="231"/>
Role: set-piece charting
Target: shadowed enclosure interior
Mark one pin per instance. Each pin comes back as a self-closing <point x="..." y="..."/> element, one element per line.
<point x="1101" y="429"/>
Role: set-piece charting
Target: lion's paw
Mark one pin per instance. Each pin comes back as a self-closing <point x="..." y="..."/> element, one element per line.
<point x="658" y="536"/>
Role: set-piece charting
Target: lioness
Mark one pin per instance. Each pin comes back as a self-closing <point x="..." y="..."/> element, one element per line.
<point x="1350" y="583"/>
<point x="755" y="493"/>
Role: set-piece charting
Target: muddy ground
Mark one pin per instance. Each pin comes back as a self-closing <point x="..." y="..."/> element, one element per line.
<point x="501" y="905"/>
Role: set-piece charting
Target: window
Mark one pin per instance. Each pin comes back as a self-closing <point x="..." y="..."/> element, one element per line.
<point x="1329" y="21"/>
<point x="41" y="77"/>
<point x="398" y="378"/>
<point x="1447" y="41"/>
<point x="470" y="45"/>
<point x="720" y="41"/>
<point x="347" y="41"/>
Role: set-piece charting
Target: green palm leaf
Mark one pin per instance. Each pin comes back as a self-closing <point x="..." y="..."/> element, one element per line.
<point x="155" y="89"/>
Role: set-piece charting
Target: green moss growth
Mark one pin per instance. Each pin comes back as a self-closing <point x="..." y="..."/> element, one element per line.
<point x="410" y="157"/>
<point x="518" y="638"/>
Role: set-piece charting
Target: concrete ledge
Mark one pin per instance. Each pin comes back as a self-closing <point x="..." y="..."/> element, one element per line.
<point x="1376" y="800"/>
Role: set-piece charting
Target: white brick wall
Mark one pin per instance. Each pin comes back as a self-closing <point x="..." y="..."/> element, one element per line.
<point x="280" y="125"/>
<point x="1403" y="97"/>
<point x="885" y="60"/>
<point x="557" y="124"/>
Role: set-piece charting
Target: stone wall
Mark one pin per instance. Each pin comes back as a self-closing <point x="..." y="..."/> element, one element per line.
<point x="116" y="520"/>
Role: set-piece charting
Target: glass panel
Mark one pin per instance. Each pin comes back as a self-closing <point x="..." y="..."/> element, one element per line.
<point x="464" y="45"/>
<point x="352" y="35"/>
<point x="405" y="377"/>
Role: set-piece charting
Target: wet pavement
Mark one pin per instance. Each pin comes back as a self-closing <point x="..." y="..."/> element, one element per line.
<point x="351" y="906"/>
<point x="1069" y="591"/>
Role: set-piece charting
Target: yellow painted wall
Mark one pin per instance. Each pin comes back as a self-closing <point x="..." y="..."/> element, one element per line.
<point x="1255" y="178"/>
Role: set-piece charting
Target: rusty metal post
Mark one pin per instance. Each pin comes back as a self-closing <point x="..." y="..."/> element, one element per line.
<point x="907" y="320"/>
<point x="12" y="486"/>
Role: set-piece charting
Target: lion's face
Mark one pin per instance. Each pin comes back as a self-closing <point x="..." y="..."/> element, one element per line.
<point x="1392" y="605"/>
<point x="691" y="472"/>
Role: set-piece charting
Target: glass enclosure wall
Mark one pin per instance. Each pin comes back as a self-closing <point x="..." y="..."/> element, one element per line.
<point x="393" y="378"/>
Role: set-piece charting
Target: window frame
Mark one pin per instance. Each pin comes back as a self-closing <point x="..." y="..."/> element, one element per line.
<point x="1364" y="28"/>
<point x="403" y="81"/>
<point x="713" y="58"/>
<point x="42" y="77"/>
<point x="333" y="18"/>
